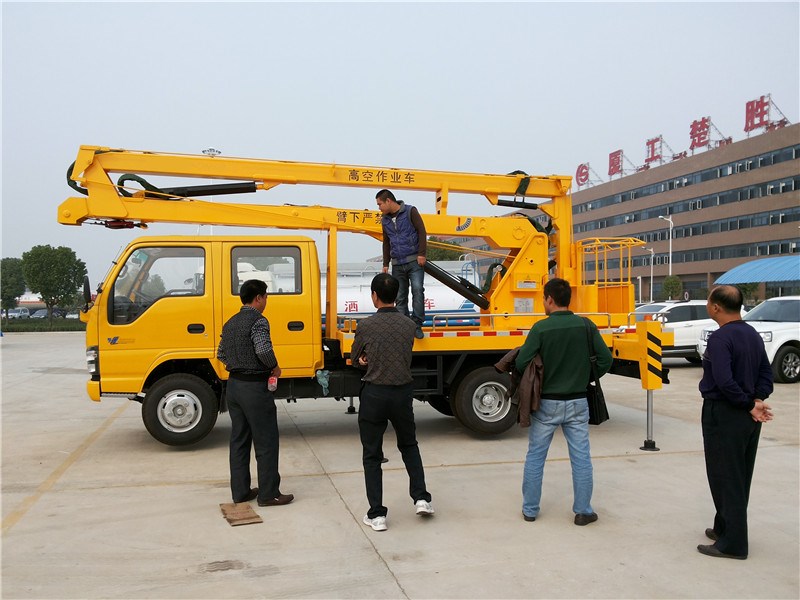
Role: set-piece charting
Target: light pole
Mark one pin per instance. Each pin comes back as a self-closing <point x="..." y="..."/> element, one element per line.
<point x="652" y="252"/>
<point x="671" y="225"/>
<point x="212" y="152"/>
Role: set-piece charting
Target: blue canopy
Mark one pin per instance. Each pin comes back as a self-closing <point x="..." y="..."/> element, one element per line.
<point x="764" y="270"/>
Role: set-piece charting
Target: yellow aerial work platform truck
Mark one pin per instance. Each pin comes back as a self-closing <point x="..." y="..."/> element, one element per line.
<point x="154" y="325"/>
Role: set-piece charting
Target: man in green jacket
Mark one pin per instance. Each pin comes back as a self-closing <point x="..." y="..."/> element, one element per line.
<point x="562" y="341"/>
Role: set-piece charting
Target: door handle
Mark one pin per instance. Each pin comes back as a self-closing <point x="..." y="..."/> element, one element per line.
<point x="296" y="326"/>
<point x="196" y="328"/>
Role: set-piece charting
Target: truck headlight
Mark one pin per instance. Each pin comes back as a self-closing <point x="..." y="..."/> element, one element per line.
<point x="91" y="359"/>
<point x="766" y="335"/>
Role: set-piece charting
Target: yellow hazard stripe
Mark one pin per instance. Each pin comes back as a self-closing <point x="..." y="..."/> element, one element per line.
<point x="654" y="354"/>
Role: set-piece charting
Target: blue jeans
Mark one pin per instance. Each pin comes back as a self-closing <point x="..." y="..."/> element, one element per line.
<point x="573" y="417"/>
<point x="414" y="274"/>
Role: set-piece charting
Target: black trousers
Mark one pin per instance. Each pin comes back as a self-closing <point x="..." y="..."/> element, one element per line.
<point x="379" y="405"/>
<point x="254" y="422"/>
<point x="730" y="440"/>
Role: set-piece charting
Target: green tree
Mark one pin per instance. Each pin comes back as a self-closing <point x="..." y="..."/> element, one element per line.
<point x="749" y="292"/>
<point x="12" y="283"/>
<point x="672" y="287"/>
<point x="53" y="273"/>
<point x="435" y="252"/>
<point x="154" y="286"/>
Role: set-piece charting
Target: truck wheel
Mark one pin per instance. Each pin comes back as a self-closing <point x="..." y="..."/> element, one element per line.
<point x="482" y="403"/>
<point x="786" y="366"/>
<point x="180" y="410"/>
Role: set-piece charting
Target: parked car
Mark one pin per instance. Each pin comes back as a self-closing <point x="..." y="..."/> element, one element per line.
<point x="73" y="314"/>
<point x="19" y="313"/>
<point x="777" y="321"/>
<point x="42" y="313"/>
<point x="686" y="319"/>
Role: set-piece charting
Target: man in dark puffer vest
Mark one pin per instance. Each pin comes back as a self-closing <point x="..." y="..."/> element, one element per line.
<point x="246" y="350"/>
<point x="405" y="243"/>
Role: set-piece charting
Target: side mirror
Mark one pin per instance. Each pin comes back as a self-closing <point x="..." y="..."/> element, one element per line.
<point x="87" y="293"/>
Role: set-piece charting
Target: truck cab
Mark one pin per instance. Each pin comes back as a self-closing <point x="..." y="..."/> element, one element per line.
<point x="160" y="312"/>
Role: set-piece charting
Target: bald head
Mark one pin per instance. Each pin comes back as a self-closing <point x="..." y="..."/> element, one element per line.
<point x="728" y="298"/>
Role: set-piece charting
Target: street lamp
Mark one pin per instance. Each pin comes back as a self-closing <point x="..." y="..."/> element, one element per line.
<point x="671" y="225"/>
<point x="212" y="152"/>
<point x="652" y="252"/>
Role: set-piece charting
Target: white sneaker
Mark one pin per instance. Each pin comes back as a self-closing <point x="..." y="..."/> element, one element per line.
<point x="377" y="524"/>
<point x="424" y="508"/>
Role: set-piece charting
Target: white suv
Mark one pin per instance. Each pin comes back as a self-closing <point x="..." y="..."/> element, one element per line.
<point x="685" y="319"/>
<point x="777" y="321"/>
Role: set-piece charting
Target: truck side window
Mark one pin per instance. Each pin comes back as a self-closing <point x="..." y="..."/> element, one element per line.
<point x="152" y="274"/>
<point x="277" y="266"/>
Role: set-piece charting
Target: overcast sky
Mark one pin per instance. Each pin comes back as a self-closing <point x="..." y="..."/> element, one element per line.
<point x="485" y="88"/>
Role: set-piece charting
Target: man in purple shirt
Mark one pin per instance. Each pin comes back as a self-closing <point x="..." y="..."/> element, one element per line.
<point x="737" y="379"/>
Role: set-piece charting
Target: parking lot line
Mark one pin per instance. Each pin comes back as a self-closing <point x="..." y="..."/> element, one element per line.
<point x="14" y="517"/>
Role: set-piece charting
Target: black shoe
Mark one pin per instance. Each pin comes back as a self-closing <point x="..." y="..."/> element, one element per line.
<point x="711" y="550"/>
<point x="711" y="534"/>
<point x="418" y="333"/>
<point x="252" y="495"/>
<point x="528" y="519"/>
<point x="581" y="519"/>
<point x="279" y="501"/>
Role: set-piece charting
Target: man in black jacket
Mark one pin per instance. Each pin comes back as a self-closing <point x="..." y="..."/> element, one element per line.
<point x="246" y="350"/>
<point x="383" y="345"/>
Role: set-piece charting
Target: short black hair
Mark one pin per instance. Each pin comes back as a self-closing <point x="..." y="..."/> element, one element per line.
<point x="385" y="287"/>
<point x="729" y="297"/>
<point x="385" y="195"/>
<point x="250" y="289"/>
<point x="558" y="289"/>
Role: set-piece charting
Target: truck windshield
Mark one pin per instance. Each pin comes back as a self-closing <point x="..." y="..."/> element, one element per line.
<point x="150" y="274"/>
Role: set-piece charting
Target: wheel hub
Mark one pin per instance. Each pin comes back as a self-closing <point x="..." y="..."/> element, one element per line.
<point x="179" y="410"/>
<point x="490" y="402"/>
<point x="791" y="366"/>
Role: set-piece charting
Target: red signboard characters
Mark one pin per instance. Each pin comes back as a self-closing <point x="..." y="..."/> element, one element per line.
<point x="756" y="114"/>
<point x="653" y="150"/>
<point x="615" y="163"/>
<point x="699" y="133"/>
<point x="582" y="174"/>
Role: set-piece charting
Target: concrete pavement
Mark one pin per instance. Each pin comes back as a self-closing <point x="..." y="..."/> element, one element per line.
<point x="93" y="507"/>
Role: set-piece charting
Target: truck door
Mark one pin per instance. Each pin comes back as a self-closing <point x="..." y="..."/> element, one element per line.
<point x="158" y="305"/>
<point x="292" y="302"/>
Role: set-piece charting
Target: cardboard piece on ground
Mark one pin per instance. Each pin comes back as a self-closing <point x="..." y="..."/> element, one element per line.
<point x="239" y="513"/>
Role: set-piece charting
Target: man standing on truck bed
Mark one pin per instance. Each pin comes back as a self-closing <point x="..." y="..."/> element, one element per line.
<point x="246" y="350"/>
<point x="383" y="345"/>
<point x="404" y="245"/>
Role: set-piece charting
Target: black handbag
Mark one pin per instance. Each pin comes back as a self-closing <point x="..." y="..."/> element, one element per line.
<point x="598" y="411"/>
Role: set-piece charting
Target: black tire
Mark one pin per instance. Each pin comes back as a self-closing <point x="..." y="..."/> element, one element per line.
<point x="440" y="403"/>
<point x="180" y="409"/>
<point x="695" y="360"/>
<point x="786" y="366"/>
<point x="482" y="402"/>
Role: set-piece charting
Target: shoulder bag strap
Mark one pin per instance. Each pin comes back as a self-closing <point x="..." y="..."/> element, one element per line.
<point x="592" y="353"/>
